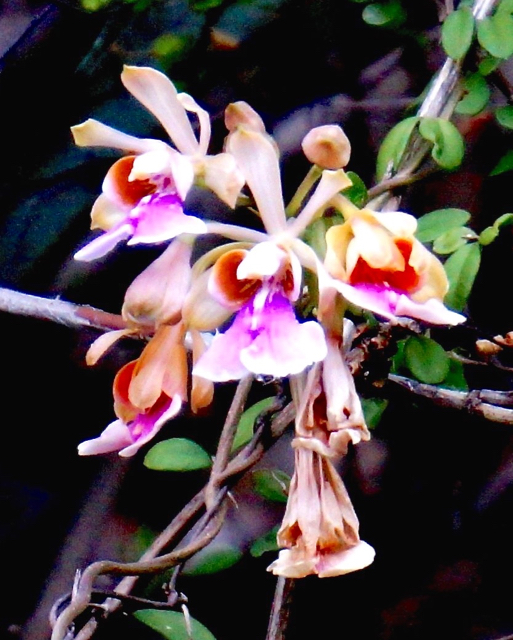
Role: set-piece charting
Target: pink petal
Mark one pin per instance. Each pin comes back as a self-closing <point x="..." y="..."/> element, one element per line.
<point x="266" y="339"/>
<point x="113" y="438"/>
<point x="104" y="243"/>
<point x="160" y="217"/>
<point x="149" y="424"/>
<point x="393" y="304"/>
<point x="432" y="311"/>
<point x="221" y="362"/>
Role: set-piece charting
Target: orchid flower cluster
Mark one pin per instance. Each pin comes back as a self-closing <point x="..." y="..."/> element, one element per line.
<point x="236" y="307"/>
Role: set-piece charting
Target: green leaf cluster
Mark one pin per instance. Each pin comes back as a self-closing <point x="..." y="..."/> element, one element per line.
<point x="427" y="361"/>
<point x="448" y="146"/>
<point x="447" y="230"/>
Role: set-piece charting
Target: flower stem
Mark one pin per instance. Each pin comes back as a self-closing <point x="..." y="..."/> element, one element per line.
<point x="303" y="190"/>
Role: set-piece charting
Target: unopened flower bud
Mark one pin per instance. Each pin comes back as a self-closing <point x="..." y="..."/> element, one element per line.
<point x="240" y="113"/>
<point x="156" y="296"/>
<point x="327" y="146"/>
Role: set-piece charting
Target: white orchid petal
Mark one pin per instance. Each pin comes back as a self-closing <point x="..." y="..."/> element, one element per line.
<point x="191" y="105"/>
<point x="157" y="93"/>
<point x="263" y="260"/>
<point x="331" y="183"/>
<point x="257" y="159"/>
<point x="223" y="177"/>
<point x="183" y="173"/>
<point x="92" y="133"/>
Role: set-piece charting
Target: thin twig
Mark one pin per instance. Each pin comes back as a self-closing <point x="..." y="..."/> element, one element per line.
<point x="471" y="401"/>
<point x="280" y="611"/>
<point x="224" y="446"/>
<point x="150" y="563"/>
<point x="59" y="311"/>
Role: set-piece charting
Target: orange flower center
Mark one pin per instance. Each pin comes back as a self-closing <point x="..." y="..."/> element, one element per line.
<point x="406" y="279"/>
<point x="130" y="192"/>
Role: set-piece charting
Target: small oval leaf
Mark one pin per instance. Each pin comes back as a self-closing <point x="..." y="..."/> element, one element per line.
<point x="267" y="542"/>
<point x="393" y="146"/>
<point x="457" y="33"/>
<point x="426" y="359"/>
<point x="272" y="484"/>
<point x="381" y="14"/>
<point x="452" y="239"/>
<point x="477" y="95"/>
<point x="495" y="34"/>
<point x="504" y="164"/>
<point x="171" y="625"/>
<point x="488" y="235"/>
<point x="177" y="454"/>
<point x="213" y="558"/>
<point x="245" y="428"/>
<point x="448" y="146"/>
<point x="373" y="409"/>
<point x="357" y="192"/>
<point x="504" y="116"/>
<point x="461" y="269"/>
<point x="434" y="224"/>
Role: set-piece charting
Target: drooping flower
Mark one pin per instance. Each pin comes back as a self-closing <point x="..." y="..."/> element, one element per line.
<point x="320" y="527"/>
<point x="330" y="414"/>
<point x="262" y="282"/>
<point x="147" y="393"/>
<point x="379" y="265"/>
<point x="144" y="192"/>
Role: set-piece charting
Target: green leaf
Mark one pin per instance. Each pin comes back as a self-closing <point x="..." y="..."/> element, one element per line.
<point x="171" y="48"/>
<point x="461" y="269"/>
<point x="495" y="34"/>
<point x="398" y="357"/>
<point x="265" y="543"/>
<point x="455" y="379"/>
<point x="488" y="64"/>
<point x="272" y="484"/>
<point x="488" y="235"/>
<point x="457" y="33"/>
<point x="504" y="116"/>
<point x="506" y="6"/>
<point x="448" y="146"/>
<point x="380" y="14"/>
<point x="477" y="95"/>
<point x="212" y="559"/>
<point x="504" y="164"/>
<point x="177" y="454"/>
<point x="357" y="192"/>
<point x="393" y="146"/>
<point x="453" y="239"/>
<point x="434" y="224"/>
<point x="171" y="625"/>
<point x="204" y="5"/>
<point x="245" y="428"/>
<point x="426" y="359"/>
<point x="373" y="409"/>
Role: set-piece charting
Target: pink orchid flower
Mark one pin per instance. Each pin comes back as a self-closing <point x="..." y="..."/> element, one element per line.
<point x="262" y="282"/>
<point x="379" y="265"/>
<point x="143" y="193"/>
<point x="147" y="393"/>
